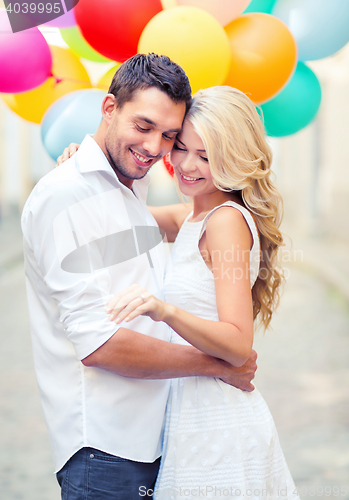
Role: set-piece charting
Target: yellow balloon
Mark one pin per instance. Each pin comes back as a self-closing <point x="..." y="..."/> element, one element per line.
<point x="68" y="75"/>
<point x="166" y="4"/>
<point x="105" y="81"/>
<point x="192" y="38"/>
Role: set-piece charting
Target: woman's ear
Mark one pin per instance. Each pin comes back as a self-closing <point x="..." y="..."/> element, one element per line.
<point x="108" y="106"/>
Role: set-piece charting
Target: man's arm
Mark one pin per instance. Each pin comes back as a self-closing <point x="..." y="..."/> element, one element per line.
<point x="131" y="354"/>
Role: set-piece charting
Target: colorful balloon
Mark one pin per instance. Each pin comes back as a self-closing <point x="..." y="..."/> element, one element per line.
<point x="113" y="27"/>
<point x="25" y="58"/>
<point x="76" y="42"/>
<point x="69" y="75"/>
<point x="168" y="165"/>
<point x="167" y="4"/>
<point x="192" y="38"/>
<point x="265" y="6"/>
<point x="320" y="27"/>
<point x="66" y="21"/>
<point x="105" y="81"/>
<point x="295" y="106"/>
<point x="70" y="118"/>
<point x="264" y="55"/>
<point x="223" y="10"/>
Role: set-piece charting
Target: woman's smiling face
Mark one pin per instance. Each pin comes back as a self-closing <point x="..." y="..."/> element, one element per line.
<point x="190" y="163"/>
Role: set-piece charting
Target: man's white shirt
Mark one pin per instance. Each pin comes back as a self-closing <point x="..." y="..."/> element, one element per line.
<point x="87" y="237"/>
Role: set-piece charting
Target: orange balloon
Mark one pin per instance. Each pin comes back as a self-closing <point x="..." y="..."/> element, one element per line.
<point x="69" y="75"/>
<point x="105" y="81"/>
<point x="264" y="55"/>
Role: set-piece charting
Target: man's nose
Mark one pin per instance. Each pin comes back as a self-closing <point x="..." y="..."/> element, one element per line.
<point x="153" y="144"/>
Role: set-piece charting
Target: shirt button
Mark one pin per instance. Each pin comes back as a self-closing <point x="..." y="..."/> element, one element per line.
<point x="92" y="455"/>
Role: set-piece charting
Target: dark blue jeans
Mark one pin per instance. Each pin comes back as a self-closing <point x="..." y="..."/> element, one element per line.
<point x="94" y="475"/>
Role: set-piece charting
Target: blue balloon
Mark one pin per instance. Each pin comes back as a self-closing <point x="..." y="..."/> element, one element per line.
<point x="265" y="6"/>
<point x="70" y="118"/>
<point x="320" y="27"/>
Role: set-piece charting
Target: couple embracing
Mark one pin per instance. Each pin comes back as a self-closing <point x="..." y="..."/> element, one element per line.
<point x="138" y="358"/>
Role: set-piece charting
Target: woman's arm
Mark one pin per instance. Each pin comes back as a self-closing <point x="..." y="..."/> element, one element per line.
<point x="228" y="241"/>
<point x="170" y="218"/>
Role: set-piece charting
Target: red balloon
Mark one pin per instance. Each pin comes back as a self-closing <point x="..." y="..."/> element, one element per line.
<point x="168" y="164"/>
<point x="113" y="27"/>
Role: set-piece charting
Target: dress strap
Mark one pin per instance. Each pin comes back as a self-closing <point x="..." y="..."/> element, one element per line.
<point x="187" y="217"/>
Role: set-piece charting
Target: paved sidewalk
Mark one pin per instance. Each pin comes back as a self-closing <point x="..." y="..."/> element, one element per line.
<point x="328" y="259"/>
<point x="303" y="375"/>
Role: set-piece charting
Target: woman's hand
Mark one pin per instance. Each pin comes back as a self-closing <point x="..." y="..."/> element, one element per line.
<point x="135" y="301"/>
<point x="68" y="152"/>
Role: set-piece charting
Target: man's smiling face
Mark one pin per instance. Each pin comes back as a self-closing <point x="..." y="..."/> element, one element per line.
<point x="142" y="132"/>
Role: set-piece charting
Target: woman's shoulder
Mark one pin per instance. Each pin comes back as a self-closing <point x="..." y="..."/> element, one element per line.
<point x="223" y="217"/>
<point x="223" y="214"/>
<point x="231" y="221"/>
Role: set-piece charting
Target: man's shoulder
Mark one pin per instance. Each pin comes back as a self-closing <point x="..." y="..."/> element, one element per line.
<point x="58" y="189"/>
<point x="65" y="174"/>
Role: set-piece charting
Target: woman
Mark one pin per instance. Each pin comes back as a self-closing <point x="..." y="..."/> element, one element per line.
<point x="221" y="278"/>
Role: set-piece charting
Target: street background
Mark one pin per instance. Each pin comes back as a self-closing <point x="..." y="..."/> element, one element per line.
<point x="303" y="362"/>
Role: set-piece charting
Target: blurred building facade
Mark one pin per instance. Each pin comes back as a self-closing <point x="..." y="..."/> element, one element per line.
<point x="312" y="166"/>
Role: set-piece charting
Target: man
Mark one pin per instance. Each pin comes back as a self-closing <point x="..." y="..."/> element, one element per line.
<point x="88" y="235"/>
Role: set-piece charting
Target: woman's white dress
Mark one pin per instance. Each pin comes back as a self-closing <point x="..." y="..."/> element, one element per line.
<point x="219" y="441"/>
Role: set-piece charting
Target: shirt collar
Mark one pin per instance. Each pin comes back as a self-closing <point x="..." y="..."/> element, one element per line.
<point x="91" y="158"/>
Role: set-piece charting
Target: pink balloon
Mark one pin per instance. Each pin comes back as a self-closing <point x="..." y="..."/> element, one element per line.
<point x="25" y="58"/>
<point x="65" y="21"/>
<point x="223" y="10"/>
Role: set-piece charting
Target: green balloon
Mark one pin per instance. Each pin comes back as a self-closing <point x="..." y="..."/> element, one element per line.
<point x="265" y="6"/>
<point x="295" y="106"/>
<point x="77" y="43"/>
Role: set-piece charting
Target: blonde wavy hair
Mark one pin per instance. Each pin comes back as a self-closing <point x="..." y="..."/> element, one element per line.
<point x="228" y="124"/>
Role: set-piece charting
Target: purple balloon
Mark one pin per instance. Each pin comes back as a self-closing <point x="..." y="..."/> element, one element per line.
<point x="25" y="58"/>
<point x="65" y="21"/>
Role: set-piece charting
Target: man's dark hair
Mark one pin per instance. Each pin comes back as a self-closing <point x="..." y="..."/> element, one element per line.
<point x="150" y="70"/>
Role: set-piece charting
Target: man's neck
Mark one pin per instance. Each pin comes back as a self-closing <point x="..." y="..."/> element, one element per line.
<point x="99" y="138"/>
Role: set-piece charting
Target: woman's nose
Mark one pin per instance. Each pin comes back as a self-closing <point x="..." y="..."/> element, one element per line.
<point x="188" y="163"/>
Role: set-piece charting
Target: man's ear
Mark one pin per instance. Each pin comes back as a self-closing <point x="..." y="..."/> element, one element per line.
<point x="108" y="106"/>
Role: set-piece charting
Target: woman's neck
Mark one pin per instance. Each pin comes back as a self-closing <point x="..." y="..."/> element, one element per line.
<point x="205" y="203"/>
